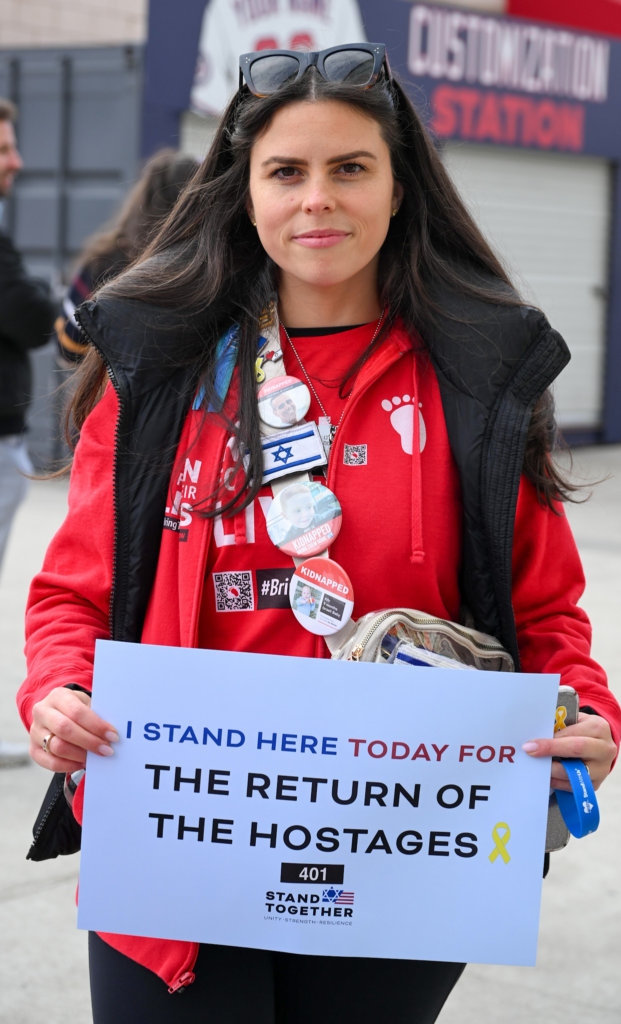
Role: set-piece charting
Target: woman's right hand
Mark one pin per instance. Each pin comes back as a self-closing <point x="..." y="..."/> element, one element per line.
<point x="67" y="716"/>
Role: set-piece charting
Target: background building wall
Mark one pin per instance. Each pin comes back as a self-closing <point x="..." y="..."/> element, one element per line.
<point x="79" y="134"/>
<point x="72" y="22"/>
<point x="75" y="68"/>
<point x="548" y="217"/>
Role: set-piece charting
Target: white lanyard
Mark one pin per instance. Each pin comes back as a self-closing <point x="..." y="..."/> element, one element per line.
<point x="304" y="517"/>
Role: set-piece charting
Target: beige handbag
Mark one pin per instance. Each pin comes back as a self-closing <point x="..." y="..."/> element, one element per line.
<point x="395" y="635"/>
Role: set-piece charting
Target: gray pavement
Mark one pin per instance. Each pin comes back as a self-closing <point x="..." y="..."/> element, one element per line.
<point x="43" y="958"/>
<point x="43" y="961"/>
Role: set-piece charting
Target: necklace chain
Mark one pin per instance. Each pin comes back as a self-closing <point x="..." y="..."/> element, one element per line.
<point x="333" y="427"/>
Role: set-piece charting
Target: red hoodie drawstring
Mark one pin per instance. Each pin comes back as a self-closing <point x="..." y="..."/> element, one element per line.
<point x="418" y="553"/>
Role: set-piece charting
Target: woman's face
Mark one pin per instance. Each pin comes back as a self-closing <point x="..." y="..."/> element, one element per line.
<point x="322" y="191"/>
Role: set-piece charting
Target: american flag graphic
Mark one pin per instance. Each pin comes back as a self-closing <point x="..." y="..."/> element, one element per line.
<point x="339" y="897"/>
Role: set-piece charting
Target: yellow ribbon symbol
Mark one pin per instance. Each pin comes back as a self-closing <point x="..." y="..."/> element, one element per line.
<point x="501" y="842"/>
<point x="258" y="372"/>
<point x="559" y="721"/>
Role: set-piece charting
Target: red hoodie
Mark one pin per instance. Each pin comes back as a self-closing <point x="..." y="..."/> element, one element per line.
<point x="400" y="543"/>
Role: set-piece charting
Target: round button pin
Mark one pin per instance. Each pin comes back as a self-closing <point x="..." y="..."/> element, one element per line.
<point x="283" y="402"/>
<point x="304" y="519"/>
<point x="321" y="596"/>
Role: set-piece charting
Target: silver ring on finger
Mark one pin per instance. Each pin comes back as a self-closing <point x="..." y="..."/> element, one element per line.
<point x="46" y="743"/>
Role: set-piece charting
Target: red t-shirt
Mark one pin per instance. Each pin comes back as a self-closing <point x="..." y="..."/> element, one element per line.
<point x="372" y="476"/>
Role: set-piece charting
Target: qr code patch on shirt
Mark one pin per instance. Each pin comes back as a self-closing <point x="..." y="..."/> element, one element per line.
<point x="234" y="591"/>
<point x="355" y="455"/>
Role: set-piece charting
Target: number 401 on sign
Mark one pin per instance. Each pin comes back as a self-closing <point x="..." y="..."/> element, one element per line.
<point x="333" y="873"/>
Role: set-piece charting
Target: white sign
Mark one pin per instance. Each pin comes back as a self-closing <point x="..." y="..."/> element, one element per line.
<point x="319" y="807"/>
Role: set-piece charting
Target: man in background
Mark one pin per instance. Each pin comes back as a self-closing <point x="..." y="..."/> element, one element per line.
<point x="26" y="321"/>
<point x="231" y="27"/>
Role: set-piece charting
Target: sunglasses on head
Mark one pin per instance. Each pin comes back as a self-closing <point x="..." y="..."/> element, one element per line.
<point x="360" y="64"/>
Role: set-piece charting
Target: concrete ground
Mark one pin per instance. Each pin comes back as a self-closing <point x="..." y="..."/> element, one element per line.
<point x="43" y="962"/>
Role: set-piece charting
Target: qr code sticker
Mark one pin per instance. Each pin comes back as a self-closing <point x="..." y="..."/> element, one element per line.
<point x="234" y="591"/>
<point x="355" y="455"/>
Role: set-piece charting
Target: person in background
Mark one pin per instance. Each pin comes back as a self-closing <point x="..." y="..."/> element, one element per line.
<point x="26" y="321"/>
<point x="110" y="251"/>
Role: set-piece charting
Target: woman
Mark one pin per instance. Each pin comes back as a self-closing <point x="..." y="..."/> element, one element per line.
<point x="324" y="206"/>
<point x="110" y="251"/>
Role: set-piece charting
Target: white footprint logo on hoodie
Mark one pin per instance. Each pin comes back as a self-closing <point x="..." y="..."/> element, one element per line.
<point x="402" y="419"/>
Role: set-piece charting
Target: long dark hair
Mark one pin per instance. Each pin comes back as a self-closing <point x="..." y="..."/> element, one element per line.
<point x="207" y="263"/>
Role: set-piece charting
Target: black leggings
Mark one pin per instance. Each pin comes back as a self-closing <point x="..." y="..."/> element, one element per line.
<point x="252" y="986"/>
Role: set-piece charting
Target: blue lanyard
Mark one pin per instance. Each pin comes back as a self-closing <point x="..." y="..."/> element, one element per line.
<point x="579" y="808"/>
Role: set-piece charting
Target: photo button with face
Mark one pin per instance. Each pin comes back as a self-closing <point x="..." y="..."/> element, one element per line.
<point x="304" y="519"/>
<point x="283" y="402"/>
<point x="321" y="596"/>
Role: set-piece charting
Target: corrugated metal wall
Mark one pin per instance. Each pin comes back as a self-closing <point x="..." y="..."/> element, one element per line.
<point x="548" y="215"/>
<point x="79" y="135"/>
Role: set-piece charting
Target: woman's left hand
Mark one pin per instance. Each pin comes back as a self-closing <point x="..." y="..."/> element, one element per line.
<point x="590" y="740"/>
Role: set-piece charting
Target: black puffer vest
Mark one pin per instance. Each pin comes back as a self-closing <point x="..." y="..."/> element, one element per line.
<point x="492" y="363"/>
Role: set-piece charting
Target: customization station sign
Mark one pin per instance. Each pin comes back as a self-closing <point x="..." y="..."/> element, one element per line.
<point x="317" y="807"/>
<point x="504" y="81"/>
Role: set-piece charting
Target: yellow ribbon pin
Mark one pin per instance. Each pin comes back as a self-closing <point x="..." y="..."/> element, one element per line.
<point x="501" y="842"/>
<point x="258" y="372"/>
<point x="559" y="720"/>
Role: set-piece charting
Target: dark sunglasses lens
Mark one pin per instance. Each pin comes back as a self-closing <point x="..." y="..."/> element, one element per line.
<point x="269" y="73"/>
<point x="352" y="66"/>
